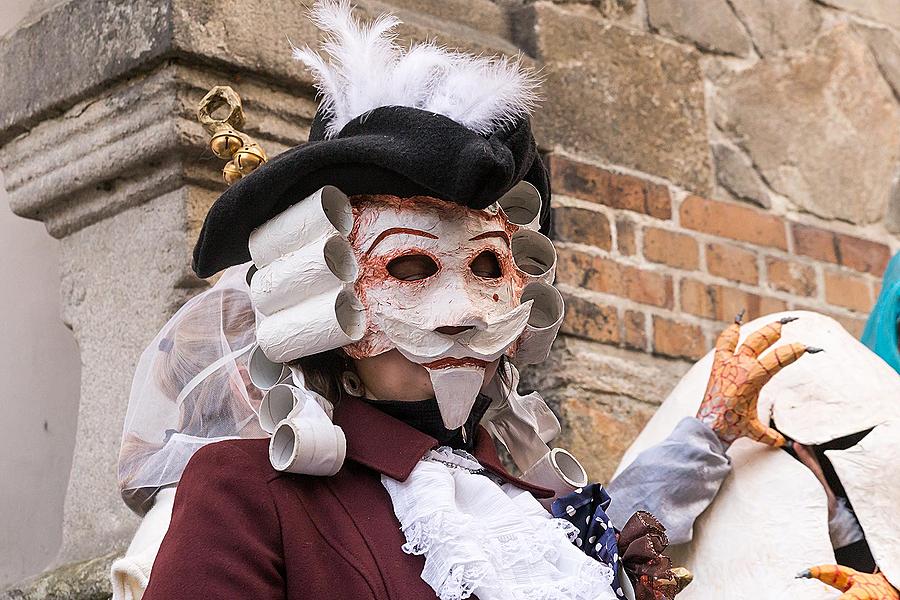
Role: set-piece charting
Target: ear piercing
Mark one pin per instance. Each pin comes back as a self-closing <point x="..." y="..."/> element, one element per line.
<point x="353" y="385"/>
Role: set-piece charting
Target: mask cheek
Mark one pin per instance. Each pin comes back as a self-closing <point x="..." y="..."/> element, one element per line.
<point x="377" y="295"/>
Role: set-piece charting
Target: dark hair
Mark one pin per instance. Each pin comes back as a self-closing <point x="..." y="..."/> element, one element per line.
<point x="323" y="371"/>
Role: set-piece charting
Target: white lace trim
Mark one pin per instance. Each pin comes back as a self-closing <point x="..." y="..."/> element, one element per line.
<point x="494" y="541"/>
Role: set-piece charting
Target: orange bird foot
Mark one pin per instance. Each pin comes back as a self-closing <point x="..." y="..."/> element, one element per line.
<point x="855" y="585"/>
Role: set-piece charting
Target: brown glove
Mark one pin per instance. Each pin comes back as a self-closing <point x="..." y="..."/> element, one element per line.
<point x="642" y="542"/>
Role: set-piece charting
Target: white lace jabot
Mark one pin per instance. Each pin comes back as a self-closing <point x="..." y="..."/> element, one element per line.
<point x="495" y="541"/>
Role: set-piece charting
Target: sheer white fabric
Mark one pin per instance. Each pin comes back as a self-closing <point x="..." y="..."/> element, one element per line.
<point x="495" y="541"/>
<point x="191" y="388"/>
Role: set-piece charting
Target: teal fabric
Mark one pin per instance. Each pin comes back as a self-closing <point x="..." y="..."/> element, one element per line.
<point x="881" y="329"/>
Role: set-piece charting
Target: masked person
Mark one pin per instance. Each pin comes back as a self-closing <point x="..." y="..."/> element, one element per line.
<point x="399" y="273"/>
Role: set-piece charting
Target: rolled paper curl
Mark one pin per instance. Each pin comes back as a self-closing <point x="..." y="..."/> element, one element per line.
<point x="547" y="312"/>
<point x="276" y="405"/>
<point x="559" y="471"/>
<point x="264" y="373"/>
<point x="321" y="215"/>
<point x="319" y="323"/>
<point x="307" y="442"/>
<point x="534" y="256"/>
<point x="324" y="264"/>
<point x="522" y="205"/>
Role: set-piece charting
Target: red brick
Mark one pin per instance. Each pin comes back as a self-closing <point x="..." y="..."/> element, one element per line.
<point x="848" y="291"/>
<point x="591" y="183"/>
<point x="586" y="319"/>
<point x="671" y="248"/>
<point x="733" y="221"/>
<point x="634" y="333"/>
<point x="732" y="263"/>
<point x="606" y="275"/>
<point x="698" y="298"/>
<point x="841" y="249"/>
<point x="790" y="276"/>
<point x="814" y="242"/>
<point x="625" y="230"/>
<point x="677" y="339"/>
<point x="769" y="305"/>
<point x="863" y="255"/>
<point x="582" y="226"/>
<point x="723" y="303"/>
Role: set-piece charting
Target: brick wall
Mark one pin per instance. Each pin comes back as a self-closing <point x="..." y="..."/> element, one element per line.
<point x="647" y="266"/>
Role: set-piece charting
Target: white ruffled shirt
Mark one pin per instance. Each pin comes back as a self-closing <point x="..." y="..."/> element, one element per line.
<point x="494" y="541"/>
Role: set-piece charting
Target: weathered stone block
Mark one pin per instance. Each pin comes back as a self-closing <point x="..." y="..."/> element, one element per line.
<point x="885" y="47"/>
<point x="710" y="24"/>
<point x="736" y="174"/>
<point x="823" y="127"/>
<point x="88" y="580"/>
<point x="883" y="11"/>
<point x="621" y="96"/>
<point x="777" y="25"/>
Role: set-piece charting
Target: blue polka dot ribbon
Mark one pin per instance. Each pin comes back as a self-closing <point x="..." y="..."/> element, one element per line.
<point x="585" y="509"/>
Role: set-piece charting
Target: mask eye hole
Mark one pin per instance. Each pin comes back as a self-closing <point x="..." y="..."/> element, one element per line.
<point x="412" y="267"/>
<point x="486" y="265"/>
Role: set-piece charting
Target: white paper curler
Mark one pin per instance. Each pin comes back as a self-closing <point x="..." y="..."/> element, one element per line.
<point x="307" y="442"/>
<point x="534" y="255"/>
<point x="264" y="373"/>
<point x="323" y="322"/>
<point x="317" y="216"/>
<point x="559" y="471"/>
<point x="325" y="264"/>
<point x="547" y="312"/>
<point x="522" y="205"/>
<point x="276" y="405"/>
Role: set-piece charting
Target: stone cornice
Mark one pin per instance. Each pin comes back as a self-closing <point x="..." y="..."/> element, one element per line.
<point x="77" y="48"/>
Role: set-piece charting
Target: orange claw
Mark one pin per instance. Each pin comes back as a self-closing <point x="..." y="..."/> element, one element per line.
<point x="730" y="403"/>
<point x="854" y="584"/>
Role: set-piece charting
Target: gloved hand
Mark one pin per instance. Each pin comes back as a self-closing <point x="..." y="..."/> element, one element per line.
<point x="642" y="542"/>
<point x="729" y="405"/>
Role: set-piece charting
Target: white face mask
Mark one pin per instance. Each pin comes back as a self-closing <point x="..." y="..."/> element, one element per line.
<point x="439" y="283"/>
<point x="453" y="289"/>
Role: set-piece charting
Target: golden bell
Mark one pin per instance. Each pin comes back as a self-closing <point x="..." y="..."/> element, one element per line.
<point x="231" y="173"/>
<point x="225" y="143"/>
<point x="249" y="158"/>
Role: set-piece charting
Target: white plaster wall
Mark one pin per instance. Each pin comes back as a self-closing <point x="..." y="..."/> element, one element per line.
<point x="39" y="382"/>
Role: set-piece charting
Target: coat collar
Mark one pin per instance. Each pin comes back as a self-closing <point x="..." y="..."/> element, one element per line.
<point x="393" y="448"/>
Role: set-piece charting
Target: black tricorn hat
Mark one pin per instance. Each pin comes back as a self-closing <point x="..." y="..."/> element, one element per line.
<point x="392" y="149"/>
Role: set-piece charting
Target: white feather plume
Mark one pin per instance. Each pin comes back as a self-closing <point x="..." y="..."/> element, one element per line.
<point x="363" y="67"/>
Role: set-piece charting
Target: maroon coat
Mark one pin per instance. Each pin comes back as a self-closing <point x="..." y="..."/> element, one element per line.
<point x="240" y="529"/>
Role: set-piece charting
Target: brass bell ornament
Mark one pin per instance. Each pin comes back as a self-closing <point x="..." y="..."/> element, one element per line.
<point x="227" y="142"/>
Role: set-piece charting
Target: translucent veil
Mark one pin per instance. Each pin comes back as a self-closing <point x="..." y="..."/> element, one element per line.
<point x="191" y="388"/>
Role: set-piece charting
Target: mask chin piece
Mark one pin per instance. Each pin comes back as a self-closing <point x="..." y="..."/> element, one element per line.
<point x="456" y="389"/>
